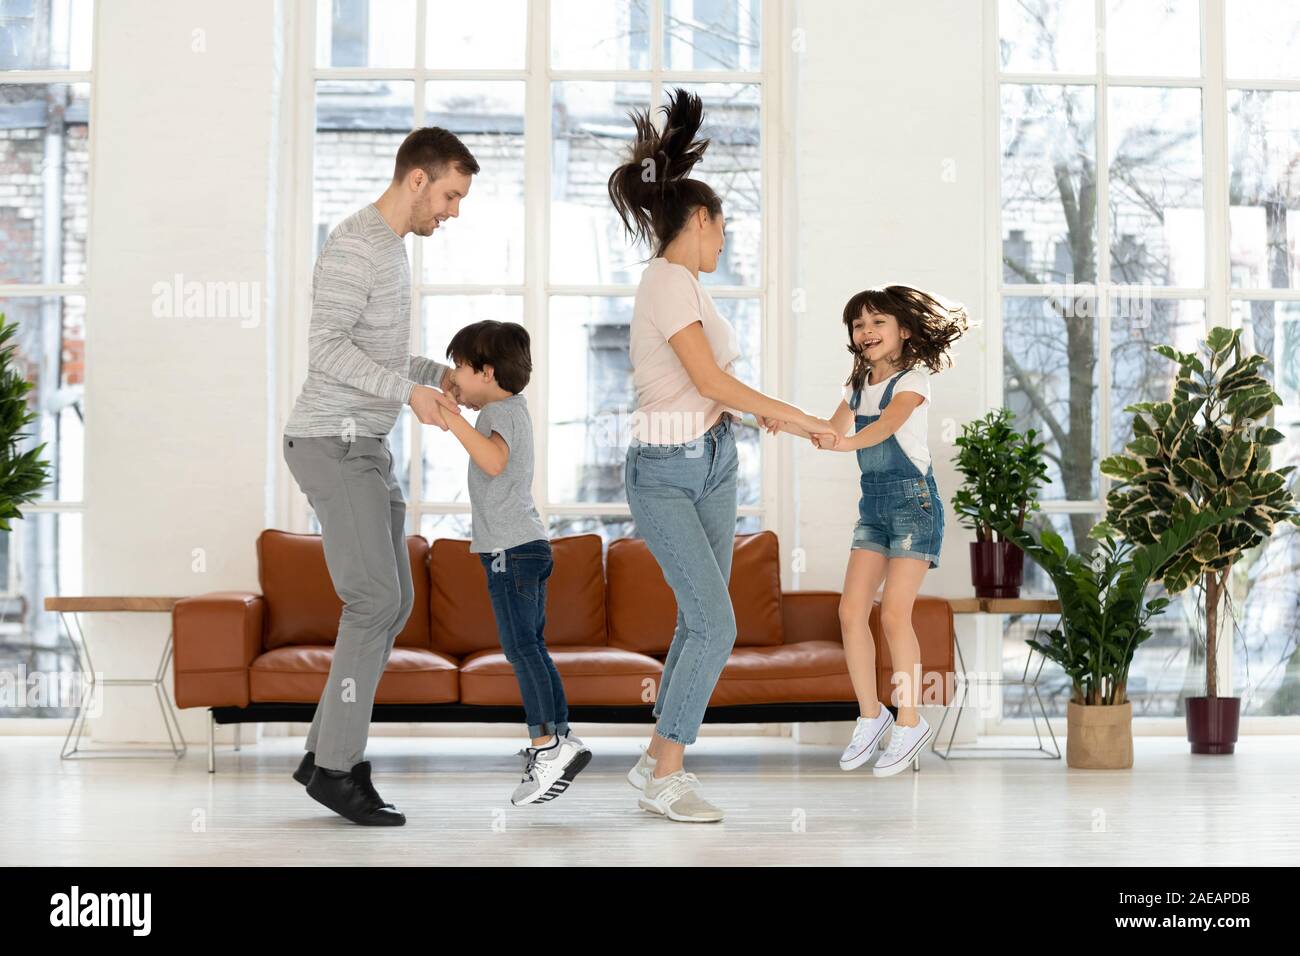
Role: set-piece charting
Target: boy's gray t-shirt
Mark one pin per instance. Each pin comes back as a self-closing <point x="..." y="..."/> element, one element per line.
<point x="503" y="513"/>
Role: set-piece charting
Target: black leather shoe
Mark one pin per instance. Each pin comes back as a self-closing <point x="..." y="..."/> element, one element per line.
<point x="304" y="771"/>
<point x="350" y="794"/>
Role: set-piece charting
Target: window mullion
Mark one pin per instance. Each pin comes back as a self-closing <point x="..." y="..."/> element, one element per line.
<point x="1216" y="199"/>
<point x="537" y="199"/>
<point x="1101" y="307"/>
<point x="994" y="390"/>
<point x="1101" y="143"/>
<point x="656" y="41"/>
<point x="1215" y="157"/>
<point x="296" y="509"/>
<point x="656" y="54"/>
<point x="415" y="435"/>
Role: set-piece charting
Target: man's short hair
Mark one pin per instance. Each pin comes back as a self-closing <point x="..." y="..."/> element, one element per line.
<point x="433" y="149"/>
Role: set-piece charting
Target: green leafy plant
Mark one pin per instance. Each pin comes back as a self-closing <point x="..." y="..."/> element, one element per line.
<point x="1203" y="451"/>
<point x="1104" y="614"/>
<point x="22" y="475"/>
<point x="1002" y="471"/>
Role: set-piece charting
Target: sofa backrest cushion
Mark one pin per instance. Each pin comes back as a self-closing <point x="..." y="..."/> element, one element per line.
<point x="643" y="612"/>
<point x="302" y="606"/>
<point x="462" y="621"/>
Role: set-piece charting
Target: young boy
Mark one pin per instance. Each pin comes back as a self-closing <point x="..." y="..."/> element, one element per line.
<point x="492" y="366"/>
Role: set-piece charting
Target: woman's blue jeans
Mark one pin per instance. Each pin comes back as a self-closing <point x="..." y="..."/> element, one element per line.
<point x="683" y="500"/>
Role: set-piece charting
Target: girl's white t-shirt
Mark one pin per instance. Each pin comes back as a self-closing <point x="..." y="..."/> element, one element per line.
<point x="669" y="408"/>
<point x="912" y="434"/>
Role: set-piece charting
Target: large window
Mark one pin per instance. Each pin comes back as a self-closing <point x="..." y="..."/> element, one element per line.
<point x="1149" y="159"/>
<point x="45" y="62"/>
<point x="540" y="92"/>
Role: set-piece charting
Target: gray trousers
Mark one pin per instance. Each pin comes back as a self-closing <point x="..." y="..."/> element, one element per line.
<point x="353" y="490"/>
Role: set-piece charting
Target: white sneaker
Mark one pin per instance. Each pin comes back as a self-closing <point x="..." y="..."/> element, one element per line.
<point x="640" y="775"/>
<point x="548" y="771"/>
<point x="677" y="797"/>
<point x="868" y="733"/>
<point x="905" y="745"/>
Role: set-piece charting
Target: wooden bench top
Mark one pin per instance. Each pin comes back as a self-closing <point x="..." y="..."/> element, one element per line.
<point x="110" y="603"/>
<point x="1031" y="605"/>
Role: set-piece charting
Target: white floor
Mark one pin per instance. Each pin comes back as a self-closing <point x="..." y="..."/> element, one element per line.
<point x="786" y="803"/>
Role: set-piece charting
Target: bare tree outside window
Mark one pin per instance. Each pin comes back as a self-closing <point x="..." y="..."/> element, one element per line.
<point x="1070" y="325"/>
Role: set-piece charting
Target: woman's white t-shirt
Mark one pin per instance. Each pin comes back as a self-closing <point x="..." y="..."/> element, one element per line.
<point x="912" y="434"/>
<point x="669" y="408"/>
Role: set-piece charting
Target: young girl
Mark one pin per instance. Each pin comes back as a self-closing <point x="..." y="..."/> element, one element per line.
<point x="892" y="331"/>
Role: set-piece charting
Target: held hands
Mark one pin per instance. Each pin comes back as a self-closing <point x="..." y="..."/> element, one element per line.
<point x="822" y="434"/>
<point x="818" y="431"/>
<point x="431" y="406"/>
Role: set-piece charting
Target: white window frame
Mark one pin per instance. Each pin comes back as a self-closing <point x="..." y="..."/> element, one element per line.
<point x="1217" y="294"/>
<point x="83" y="289"/>
<point x="536" y="289"/>
<point x="60" y="289"/>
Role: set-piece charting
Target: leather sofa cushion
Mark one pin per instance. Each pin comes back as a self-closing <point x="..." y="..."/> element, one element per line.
<point x="302" y="606"/>
<point x="807" y="671"/>
<point x="592" y="676"/>
<point x="297" y="675"/>
<point x="462" y="620"/>
<point x="643" y="612"/>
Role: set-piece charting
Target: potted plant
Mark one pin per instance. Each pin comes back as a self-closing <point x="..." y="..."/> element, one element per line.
<point x="22" y="476"/>
<point x="1103" y="622"/>
<point x="1002" y="471"/>
<point x="1202" y="451"/>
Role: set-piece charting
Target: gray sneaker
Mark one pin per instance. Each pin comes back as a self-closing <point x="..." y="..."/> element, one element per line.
<point x="677" y="797"/>
<point x="548" y="771"/>
<point x="640" y="774"/>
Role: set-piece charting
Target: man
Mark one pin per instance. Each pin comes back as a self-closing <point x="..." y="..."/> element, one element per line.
<point x="359" y="374"/>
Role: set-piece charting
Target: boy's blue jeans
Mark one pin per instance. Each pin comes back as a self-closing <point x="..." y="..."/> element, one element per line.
<point x="516" y="580"/>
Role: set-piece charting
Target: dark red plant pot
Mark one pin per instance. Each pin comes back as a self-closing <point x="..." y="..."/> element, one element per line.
<point x="997" y="569"/>
<point x="1212" y="724"/>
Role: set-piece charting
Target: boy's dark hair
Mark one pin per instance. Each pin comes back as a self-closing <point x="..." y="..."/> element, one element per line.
<point x="433" y="149"/>
<point x="933" y="327"/>
<point x="503" y="345"/>
<point x="652" y="192"/>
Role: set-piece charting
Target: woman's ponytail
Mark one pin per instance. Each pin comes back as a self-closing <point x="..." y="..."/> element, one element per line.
<point x="653" y="192"/>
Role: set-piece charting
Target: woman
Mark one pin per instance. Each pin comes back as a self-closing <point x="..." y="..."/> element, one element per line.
<point x="681" y="464"/>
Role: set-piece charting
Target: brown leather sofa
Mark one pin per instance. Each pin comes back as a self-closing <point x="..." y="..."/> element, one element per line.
<point x="609" y="621"/>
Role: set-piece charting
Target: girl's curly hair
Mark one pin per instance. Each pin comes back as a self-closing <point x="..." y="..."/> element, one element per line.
<point x="933" y="327"/>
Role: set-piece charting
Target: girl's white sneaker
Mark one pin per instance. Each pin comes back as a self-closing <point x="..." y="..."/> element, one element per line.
<point x="868" y="732"/>
<point x="905" y="745"/>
